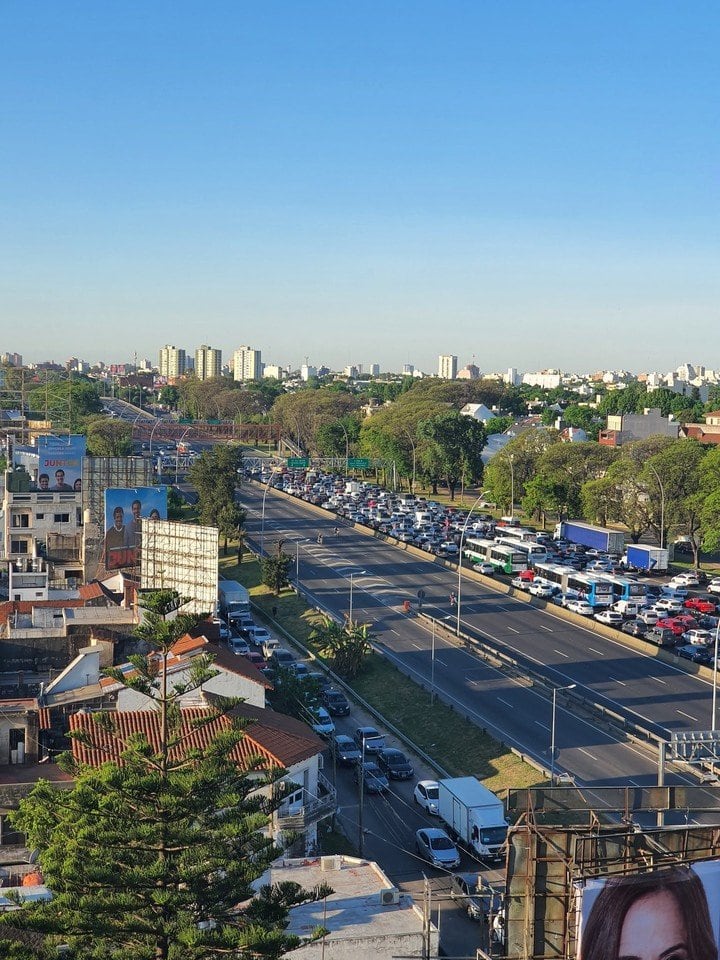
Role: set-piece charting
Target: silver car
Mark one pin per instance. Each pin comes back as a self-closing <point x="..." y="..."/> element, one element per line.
<point x="435" y="846"/>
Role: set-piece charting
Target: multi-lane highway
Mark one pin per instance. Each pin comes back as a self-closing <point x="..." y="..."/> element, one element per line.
<point x="382" y="577"/>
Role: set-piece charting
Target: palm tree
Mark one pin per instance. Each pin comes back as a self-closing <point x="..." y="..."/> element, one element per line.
<point x="345" y="645"/>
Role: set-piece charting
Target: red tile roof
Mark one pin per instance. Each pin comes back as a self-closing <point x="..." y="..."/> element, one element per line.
<point x="91" y="591"/>
<point x="278" y="740"/>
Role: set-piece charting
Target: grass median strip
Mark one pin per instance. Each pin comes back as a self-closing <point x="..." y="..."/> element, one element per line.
<point x="455" y="742"/>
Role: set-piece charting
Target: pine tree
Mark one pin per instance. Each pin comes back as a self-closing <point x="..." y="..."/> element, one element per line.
<point x="153" y="857"/>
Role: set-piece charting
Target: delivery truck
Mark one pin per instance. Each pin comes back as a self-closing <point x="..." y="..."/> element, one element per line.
<point x="233" y="600"/>
<point x="598" y="538"/>
<point x="642" y="557"/>
<point x="474" y="816"/>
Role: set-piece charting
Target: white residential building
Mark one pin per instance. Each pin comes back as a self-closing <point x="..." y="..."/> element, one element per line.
<point x="173" y="362"/>
<point x="447" y="366"/>
<point x="306" y="372"/>
<point x="547" y="379"/>
<point x="273" y="370"/>
<point x="208" y="362"/>
<point x="247" y="364"/>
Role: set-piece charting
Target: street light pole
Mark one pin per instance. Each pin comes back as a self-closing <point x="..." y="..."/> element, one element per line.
<point x="351" y="600"/>
<point x="714" y="693"/>
<point x="432" y="665"/>
<point x="512" y="487"/>
<point x="262" y="519"/>
<point x="570" y="686"/>
<point x="157" y="424"/>
<point x="460" y="556"/>
<point x="662" y="505"/>
<point x="177" y="453"/>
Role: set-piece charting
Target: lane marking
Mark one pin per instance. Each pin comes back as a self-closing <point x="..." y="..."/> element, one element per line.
<point x="598" y="652"/>
<point x="688" y="716"/>
<point x="659" y="680"/>
<point x="566" y="655"/>
<point x="615" y="680"/>
<point x="441" y="662"/>
<point x="542" y="625"/>
<point x="543" y="725"/>
<point x="506" y="703"/>
<point x="513" y="629"/>
<point x="416" y="645"/>
<point x="587" y="753"/>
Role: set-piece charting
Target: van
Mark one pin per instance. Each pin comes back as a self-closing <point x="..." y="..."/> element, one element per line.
<point x="422" y="516"/>
<point x="628" y="608"/>
<point x="269" y="647"/>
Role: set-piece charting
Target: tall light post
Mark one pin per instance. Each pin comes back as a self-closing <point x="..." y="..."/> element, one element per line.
<point x="157" y="424"/>
<point x="460" y="556"/>
<point x="262" y="519"/>
<point x="556" y="690"/>
<point x="351" y="600"/>
<point x="432" y="665"/>
<point x="512" y="486"/>
<point x="662" y="505"/>
<point x="297" y="564"/>
<point x="177" y="453"/>
<point x="412" y="444"/>
<point x="715" y="667"/>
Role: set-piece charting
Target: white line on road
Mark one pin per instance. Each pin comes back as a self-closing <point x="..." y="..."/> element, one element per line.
<point x="587" y="753"/>
<point x="615" y="680"/>
<point x="659" y="680"/>
<point x="546" y="628"/>
<point x="416" y="645"/>
<point x="566" y="655"/>
<point x="543" y="725"/>
<point x="506" y="703"/>
<point x="391" y="630"/>
<point x="688" y="716"/>
<point x="441" y="662"/>
<point x="513" y="630"/>
<point x="598" y="652"/>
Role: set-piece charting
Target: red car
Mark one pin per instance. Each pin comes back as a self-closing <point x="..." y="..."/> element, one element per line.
<point x="700" y="604"/>
<point x="678" y="625"/>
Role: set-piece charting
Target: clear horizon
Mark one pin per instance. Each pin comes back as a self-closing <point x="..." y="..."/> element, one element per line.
<point x="517" y="184"/>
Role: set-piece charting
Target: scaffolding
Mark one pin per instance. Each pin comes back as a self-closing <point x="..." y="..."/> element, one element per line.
<point x="181" y="557"/>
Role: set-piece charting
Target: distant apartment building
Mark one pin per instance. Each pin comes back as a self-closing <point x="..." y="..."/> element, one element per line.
<point x="247" y="364"/>
<point x="626" y="427"/>
<point x="273" y="370"/>
<point x="547" y="379"/>
<point x="172" y="363"/>
<point x="408" y="369"/>
<point x="306" y="371"/>
<point x="469" y="372"/>
<point x="351" y="371"/>
<point x="374" y="369"/>
<point x="11" y="359"/>
<point x="447" y="367"/>
<point x="208" y="362"/>
<point x="511" y="377"/>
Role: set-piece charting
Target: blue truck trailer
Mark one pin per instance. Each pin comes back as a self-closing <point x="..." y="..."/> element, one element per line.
<point x="598" y="538"/>
<point x="641" y="556"/>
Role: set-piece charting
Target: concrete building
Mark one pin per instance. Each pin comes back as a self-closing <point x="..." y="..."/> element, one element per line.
<point x="547" y="379"/>
<point x="172" y="363"/>
<point x="469" y="372"/>
<point x="273" y="371"/>
<point x="627" y="427"/>
<point x="408" y="370"/>
<point x="306" y="372"/>
<point x="447" y="367"/>
<point x="208" y="362"/>
<point x="11" y="359"/>
<point x="374" y="369"/>
<point x="247" y="364"/>
<point x="366" y="916"/>
<point x="512" y="378"/>
<point x="478" y="411"/>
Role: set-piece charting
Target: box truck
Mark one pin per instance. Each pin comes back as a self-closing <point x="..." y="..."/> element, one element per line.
<point x="233" y="600"/>
<point x="474" y="816"/>
<point x="599" y="538"/>
<point x="642" y="557"/>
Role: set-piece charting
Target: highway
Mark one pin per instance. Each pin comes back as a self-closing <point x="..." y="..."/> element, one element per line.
<point x="383" y="576"/>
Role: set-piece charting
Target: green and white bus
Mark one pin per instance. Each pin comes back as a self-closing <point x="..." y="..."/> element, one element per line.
<point x="504" y="558"/>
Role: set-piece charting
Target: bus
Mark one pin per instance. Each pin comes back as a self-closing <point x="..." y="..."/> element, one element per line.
<point x="553" y="573"/>
<point x="625" y="589"/>
<point x="534" y="552"/>
<point x="517" y="533"/>
<point x="596" y="590"/>
<point x="504" y="558"/>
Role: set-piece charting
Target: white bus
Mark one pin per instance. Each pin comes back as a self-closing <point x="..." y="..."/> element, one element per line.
<point x="505" y="558"/>
<point x="534" y="552"/>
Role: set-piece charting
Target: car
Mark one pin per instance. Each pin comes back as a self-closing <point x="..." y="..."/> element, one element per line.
<point x="678" y="625"/>
<point x="692" y="652"/>
<point x="465" y="890"/>
<point x="675" y="591"/>
<point x="699" y="638"/>
<point x="685" y="579"/>
<point x="321" y="721"/>
<point x="223" y="628"/>
<point x="369" y="739"/>
<point x="239" y="647"/>
<point x="281" y="658"/>
<point x="541" y="590"/>
<point x="435" y="846"/>
<point x="611" y="618"/>
<point x="255" y="658"/>
<point x="336" y="703"/>
<point x="299" y="669"/>
<point x="700" y="604"/>
<point x="321" y="680"/>
<point x="661" y="637"/>
<point x="345" y="749"/>
<point x="635" y="628"/>
<point x="426" y="795"/>
<point x="649" y="617"/>
<point x="581" y="607"/>
<point x="668" y="605"/>
<point x="395" y="764"/>
<point x="487" y="569"/>
<point x="520" y="584"/>
<point x="243" y="621"/>
<point x="373" y="779"/>
<point x="258" y="635"/>
<point x="714" y="585"/>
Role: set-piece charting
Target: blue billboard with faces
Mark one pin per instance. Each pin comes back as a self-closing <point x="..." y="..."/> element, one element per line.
<point x="60" y="463"/>
<point x="125" y="507"/>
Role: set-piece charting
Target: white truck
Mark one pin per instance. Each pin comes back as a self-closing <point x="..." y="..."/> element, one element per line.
<point x="233" y="600"/>
<point x="473" y="815"/>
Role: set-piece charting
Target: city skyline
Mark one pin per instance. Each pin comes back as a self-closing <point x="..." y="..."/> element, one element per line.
<point x="511" y="184"/>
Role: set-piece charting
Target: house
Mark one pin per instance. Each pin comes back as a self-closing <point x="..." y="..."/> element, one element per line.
<point x="366" y="916"/>
<point x="626" y="427"/>
<point x="712" y="419"/>
<point x="478" y="411"/>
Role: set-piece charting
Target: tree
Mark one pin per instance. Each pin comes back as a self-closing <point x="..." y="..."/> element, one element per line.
<point x="346" y="645"/>
<point x="215" y="477"/>
<point x="108" y="438"/>
<point x="230" y="519"/>
<point x="149" y="856"/>
<point x="523" y="453"/>
<point x="678" y="467"/>
<point x="275" y="570"/>
<point x="453" y="449"/>
<point x="66" y="401"/>
<point x="175" y="504"/>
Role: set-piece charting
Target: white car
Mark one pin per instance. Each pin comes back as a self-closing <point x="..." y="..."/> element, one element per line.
<point x="539" y="589"/>
<point x="650" y="617"/>
<point x="668" y="605"/>
<point x="487" y="569"/>
<point x="698" y="638"/>
<point x="520" y="584"/>
<point x="685" y="579"/>
<point x="611" y="618"/>
<point x="714" y="585"/>
<point x="426" y="795"/>
<point x="579" y="606"/>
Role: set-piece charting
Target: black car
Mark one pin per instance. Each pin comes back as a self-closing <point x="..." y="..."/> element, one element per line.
<point x="692" y="652"/>
<point x="345" y="749"/>
<point x="374" y="780"/>
<point x="395" y="764"/>
<point x="336" y="703"/>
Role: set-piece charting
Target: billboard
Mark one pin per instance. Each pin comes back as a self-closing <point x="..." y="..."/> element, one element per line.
<point x="669" y="912"/>
<point x="124" y="508"/>
<point x="60" y="461"/>
<point x="182" y="557"/>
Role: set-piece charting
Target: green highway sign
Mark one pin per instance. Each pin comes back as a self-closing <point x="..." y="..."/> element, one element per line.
<point x="358" y="463"/>
<point x="298" y="461"/>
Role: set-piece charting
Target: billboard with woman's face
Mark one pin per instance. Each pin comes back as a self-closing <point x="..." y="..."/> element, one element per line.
<point x="667" y="914"/>
<point x="124" y="508"/>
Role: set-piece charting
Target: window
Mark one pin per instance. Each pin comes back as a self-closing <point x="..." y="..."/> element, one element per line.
<point x="61" y="518"/>
<point x="21" y="520"/>
<point x="39" y="516"/>
<point x="19" y="546"/>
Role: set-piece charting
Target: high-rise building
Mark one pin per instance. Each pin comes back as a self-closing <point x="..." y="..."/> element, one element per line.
<point x="408" y="369"/>
<point x="172" y="362"/>
<point x="307" y="371"/>
<point x="208" y="362"/>
<point x="447" y="367"/>
<point x="374" y="369"/>
<point x="247" y="364"/>
<point x="273" y="371"/>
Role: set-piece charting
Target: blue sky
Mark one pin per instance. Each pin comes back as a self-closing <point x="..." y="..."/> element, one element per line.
<point x="529" y="184"/>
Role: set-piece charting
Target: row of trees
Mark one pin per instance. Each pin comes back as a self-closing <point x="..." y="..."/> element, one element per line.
<point x="657" y="485"/>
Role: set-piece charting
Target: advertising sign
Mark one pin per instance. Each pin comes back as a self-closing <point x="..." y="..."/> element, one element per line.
<point x="124" y="508"/>
<point x="60" y="463"/>
<point x="672" y="912"/>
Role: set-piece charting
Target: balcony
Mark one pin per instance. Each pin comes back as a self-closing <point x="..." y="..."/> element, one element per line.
<point x="314" y="809"/>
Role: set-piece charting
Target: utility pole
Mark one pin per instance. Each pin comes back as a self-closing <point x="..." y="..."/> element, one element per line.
<point x="361" y="799"/>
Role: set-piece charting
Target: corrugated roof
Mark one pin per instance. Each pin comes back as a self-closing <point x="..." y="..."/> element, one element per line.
<point x="279" y="740"/>
<point x="91" y="591"/>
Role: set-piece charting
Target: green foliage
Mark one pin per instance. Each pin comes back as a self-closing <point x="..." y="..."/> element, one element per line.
<point x="155" y="858"/>
<point x="453" y="448"/>
<point x="175" y="504"/>
<point x="108" y="438"/>
<point x="305" y="415"/>
<point x="229" y="521"/>
<point x="345" y="645"/>
<point x="333" y="439"/>
<point x="215" y="478"/>
<point x="66" y="401"/>
<point x="275" y="571"/>
<point x="499" y="425"/>
<point x="169" y="397"/>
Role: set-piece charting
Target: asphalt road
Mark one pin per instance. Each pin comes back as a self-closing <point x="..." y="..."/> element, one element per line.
<point x="384" y="576"/>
